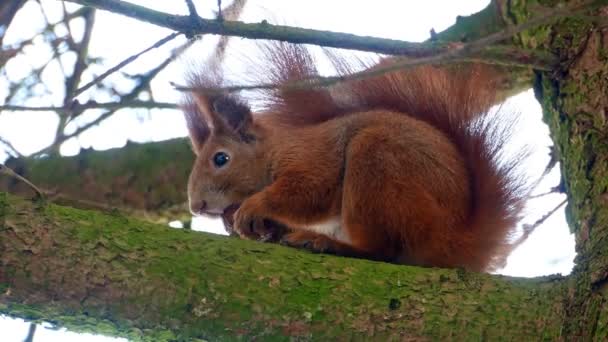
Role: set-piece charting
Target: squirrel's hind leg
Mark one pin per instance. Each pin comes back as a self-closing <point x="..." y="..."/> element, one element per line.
<point x="321" y="243"/>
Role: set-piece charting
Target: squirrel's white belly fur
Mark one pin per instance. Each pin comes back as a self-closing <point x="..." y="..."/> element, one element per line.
<point x="331" y="228"/>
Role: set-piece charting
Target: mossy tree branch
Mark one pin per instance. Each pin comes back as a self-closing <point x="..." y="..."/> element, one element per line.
<point x="109" y="274"/>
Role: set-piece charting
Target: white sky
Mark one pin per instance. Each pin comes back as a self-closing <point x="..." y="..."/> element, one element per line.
<point x="549" y="250"/>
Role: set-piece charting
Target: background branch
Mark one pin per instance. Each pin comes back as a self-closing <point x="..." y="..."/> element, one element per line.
<point x="125" y="62"/>
<point x="94" y="105"/>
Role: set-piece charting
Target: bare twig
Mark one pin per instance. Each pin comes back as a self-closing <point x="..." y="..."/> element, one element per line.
<point x="191" y="9"/>
<point x="553" y="190"/>
<point x="80" y="64"/>
<point x="529" y="228"/>
<point x="31" y="332"/>
<point x="144" y="82"/>
<point x="56" y="53"/>
<point x="553" y="160"/>
<point x="50" y="28"/>
<point x="71" y="82"/>
<point x="11" y="149"/>
<point x="95" y="105"/>
<point x="7" y="171"/>
<point x="125" y="62"/>
<point x="232" y="12"/>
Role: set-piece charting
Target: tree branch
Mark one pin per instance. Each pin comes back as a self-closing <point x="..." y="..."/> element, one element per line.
<point x="84" y="269"/>
<point x="264" y="30"/>
<point x="10" y="148"/>
<point x="9" y="172"/>
<point x="77" y="106"/>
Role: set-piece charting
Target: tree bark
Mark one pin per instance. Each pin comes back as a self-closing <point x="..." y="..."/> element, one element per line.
<point x="113" y="275"/>
<point x="576" y="108"/>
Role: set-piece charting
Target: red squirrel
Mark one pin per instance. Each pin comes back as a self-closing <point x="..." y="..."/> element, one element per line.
<point x="400" y="167"/>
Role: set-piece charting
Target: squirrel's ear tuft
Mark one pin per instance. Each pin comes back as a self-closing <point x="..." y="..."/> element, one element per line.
<point x="224" y="114"/>
<point x="197" y="127"/>
<point x="234" y="111"/>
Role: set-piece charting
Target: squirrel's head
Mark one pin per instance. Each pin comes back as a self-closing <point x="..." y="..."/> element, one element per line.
<point x="229" y="165"/>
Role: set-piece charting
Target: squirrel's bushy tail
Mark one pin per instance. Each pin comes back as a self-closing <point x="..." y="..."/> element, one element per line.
<point x="455" y="99"/>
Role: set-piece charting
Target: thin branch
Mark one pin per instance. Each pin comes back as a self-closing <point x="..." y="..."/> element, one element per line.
<point x="71" y="82"/>
<point x="9" y="172"/>
<point x="56" y="53"/>
<point x="232" y="12"/>
<point x="191" y="9"/>
<point x="265" y="30"/>
<point x="76" y="106"/>
<point x="31" y="332"/>
<point x="144" y="82"/>
<point x="529" y="228"/>
<point x="11" y="149"/>
<point x="553" y="190"/>
<point x="80" y="63"/>
<point x="553" y="160"/>
<point x="125" y="62"/>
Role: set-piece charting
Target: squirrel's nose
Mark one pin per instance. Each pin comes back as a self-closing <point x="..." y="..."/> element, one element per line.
<point x="198" y="208"/>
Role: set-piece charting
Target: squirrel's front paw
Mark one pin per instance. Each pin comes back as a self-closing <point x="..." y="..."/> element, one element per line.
<point x="248" y="224"/>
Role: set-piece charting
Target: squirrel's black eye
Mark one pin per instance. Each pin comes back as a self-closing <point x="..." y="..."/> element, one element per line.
<point x="220" y="159"/>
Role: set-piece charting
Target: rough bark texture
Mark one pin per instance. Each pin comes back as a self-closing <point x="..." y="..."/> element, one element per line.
<point x="110" y="274"/>
<point x="575" y="105"/>
<point x="144" y="180"/>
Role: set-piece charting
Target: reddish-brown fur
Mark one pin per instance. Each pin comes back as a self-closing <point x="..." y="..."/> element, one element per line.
<point x="400" y="167"/>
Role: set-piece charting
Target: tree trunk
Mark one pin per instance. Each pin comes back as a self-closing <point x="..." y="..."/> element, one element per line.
<point x="575" y="104"/>
<point x="108" y="274"/>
